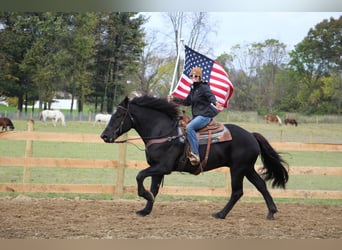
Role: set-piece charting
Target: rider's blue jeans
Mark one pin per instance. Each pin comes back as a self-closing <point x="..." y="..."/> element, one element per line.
<point x="195" y="124"/>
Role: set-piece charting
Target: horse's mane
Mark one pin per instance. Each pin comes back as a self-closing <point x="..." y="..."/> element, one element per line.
<point x="158" y="104"/>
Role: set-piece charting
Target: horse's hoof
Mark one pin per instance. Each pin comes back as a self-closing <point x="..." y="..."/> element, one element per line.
<point x="218" y="216"/>
<point x="142" y="213"/>
<point x="270" y="216"/>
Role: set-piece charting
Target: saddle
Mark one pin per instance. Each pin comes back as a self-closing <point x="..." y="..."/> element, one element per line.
<point x="214" y="132"/>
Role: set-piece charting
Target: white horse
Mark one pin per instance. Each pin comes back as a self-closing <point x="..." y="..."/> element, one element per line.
<point x="102" y="118"/>
<point x="54" y="115"/>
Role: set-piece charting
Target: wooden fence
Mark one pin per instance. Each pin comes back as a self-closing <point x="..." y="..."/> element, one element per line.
<point x="119" y="188"/>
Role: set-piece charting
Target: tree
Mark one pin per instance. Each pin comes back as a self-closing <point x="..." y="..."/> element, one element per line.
<point x="197" y="27"/>
<point x="80" y="54"/>
<point x="274" y="57"/>
<point x="177" y="21"/>
<point x="257" y="67"/>
<point x="246" y="60"/>
<point x="119" y="46"/>
<point x="150" y="62"/>
<point x="46" y="30"/>
<point x="14" y="42"/>
<point x="317" y="57"/>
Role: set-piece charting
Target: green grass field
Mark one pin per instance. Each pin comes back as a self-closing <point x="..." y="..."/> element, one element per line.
<point x="310" y="132"/>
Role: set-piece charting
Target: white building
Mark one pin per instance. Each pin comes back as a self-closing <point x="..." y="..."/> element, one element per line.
<point x="60" y="104"/>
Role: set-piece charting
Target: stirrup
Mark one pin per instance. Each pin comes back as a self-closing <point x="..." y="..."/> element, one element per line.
<point x="194" y="159"/>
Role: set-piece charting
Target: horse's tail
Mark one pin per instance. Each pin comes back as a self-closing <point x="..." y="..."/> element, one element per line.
<point x="63" y="121"/>
<point x="276" y="168"/>
<point x="279" y="120"/>
<point x="62" y="118"/>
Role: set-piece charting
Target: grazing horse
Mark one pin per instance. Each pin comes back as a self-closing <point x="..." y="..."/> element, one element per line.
<point x="54" y="115"/>
<point x="291" y="121"/>
<point x="156" y="121"/>
<point x="6" y="122"/>
<point x="99" y="118"/>
<point x="273" y="118"/>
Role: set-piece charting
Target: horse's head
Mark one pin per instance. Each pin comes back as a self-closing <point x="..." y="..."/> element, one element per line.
<point x="120" y="122"/>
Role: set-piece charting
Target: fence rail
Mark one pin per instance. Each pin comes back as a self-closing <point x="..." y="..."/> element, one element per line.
<point x="84" y="163"/>
<point x="92" y="138"/>
<point x="119" y="189"/>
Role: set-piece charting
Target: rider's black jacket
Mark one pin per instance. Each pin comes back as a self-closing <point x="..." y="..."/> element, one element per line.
<point x="201" y="99"/>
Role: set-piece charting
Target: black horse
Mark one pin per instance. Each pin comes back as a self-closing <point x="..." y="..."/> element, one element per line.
<point x="156" y="121"/>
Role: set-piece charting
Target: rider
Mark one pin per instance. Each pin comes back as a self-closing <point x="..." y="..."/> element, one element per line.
<point x="203" y="108"/>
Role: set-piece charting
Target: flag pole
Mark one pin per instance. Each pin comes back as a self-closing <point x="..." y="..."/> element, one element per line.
<point x="176" y="66"/>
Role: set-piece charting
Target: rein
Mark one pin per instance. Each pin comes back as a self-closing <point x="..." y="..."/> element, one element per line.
<point x="151" y="139"/>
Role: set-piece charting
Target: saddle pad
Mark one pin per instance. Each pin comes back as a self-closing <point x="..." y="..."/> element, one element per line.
<point x="217" y="136"/>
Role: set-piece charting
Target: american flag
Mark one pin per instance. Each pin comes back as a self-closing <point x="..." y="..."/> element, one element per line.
<point x="212" y="72"/>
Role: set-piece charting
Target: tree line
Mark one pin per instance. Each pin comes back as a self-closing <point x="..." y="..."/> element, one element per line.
<point x="307" y="79"/>
<point x="98" y="58"/>
<point x="83" y="55"/>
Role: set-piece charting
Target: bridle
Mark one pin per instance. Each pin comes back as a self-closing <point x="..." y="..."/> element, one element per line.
<point x="119" y="129"/>
<point x="150" y="140"/>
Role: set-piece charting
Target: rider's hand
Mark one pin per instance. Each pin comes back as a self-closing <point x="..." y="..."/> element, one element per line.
<point x="219" y="105"/>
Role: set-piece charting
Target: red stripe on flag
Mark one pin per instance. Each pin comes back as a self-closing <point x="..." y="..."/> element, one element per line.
<point x="224" y="85"/>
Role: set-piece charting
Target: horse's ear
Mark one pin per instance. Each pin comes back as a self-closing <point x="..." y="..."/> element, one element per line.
<point x="126" y="101"/>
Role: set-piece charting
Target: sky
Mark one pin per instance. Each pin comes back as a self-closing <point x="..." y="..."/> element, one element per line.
<point x="234" y="28"/>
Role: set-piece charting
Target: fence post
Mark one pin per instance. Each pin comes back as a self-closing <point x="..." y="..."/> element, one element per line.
<point x="28" y="153"/>
<point x="281" y="135"/>
<point x="120" y="173"/>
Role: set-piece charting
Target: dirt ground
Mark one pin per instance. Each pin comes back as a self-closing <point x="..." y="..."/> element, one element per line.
<point x="28" y="218"/>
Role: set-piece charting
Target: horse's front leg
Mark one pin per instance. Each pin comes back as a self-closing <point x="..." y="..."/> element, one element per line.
<point x="148" y="195"/>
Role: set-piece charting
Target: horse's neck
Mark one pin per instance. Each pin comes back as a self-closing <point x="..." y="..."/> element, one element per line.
<point x="152" y="126"/>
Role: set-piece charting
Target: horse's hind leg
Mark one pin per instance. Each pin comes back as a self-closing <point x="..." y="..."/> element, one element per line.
<point x="237" y="192"/>
<point x="260" y="184"/>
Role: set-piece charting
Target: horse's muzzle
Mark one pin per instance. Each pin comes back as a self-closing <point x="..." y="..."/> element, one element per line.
<point x="107" y="139"/>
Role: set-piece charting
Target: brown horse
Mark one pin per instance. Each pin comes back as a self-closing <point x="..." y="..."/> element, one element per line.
<point x="291" y="121"/>
<point x="6" y="122"/>
<point x="273" y="118"/>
